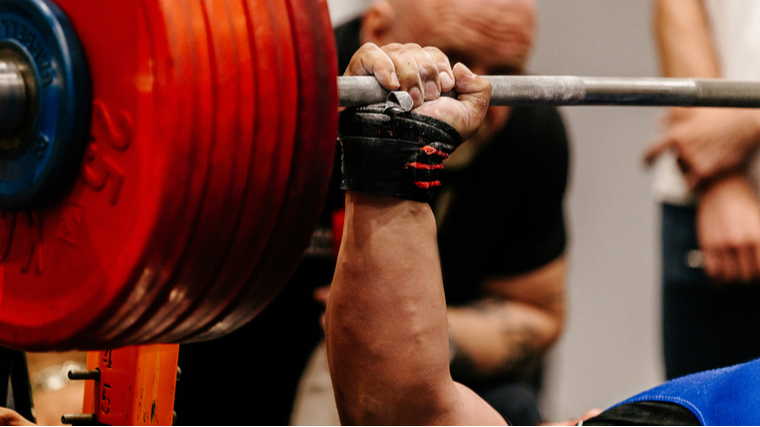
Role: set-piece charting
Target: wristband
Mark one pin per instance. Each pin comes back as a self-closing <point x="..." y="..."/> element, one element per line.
<point x="388" y="150"/>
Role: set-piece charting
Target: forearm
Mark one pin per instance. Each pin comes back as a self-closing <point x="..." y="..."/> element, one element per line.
<point x="386" y="320"/>
<point x="386" y="331"/>
<point x="731" y="182"/>
<point x="685" y="43"/>
<point x="508" y="333"/>
<point x="499" y="338"/>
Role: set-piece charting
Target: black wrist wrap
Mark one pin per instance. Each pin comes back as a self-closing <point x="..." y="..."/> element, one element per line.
<point x="394" y="153"/>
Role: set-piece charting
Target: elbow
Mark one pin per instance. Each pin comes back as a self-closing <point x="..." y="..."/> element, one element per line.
<point x="555" y="317"/>
<point x="558" y="325"/>
<point x="412" y="405"/>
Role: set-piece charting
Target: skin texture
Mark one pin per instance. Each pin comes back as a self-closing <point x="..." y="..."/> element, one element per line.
<point x="525" y="314"/>
<point x="713" y="148"/>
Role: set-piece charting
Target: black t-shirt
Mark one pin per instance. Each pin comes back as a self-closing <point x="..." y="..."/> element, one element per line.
<point x="506" y="212"/>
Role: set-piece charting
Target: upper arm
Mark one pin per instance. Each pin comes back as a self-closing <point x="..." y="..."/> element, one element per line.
<point x="686" y="46"/>
<point x="542" y="289"/>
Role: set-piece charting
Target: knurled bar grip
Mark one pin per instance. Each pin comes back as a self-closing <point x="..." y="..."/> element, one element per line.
<point x="570" y="90"/>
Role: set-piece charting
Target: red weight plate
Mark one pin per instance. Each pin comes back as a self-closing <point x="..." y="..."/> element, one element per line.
<point x="185" y="283"/>
<point x="187" y="92"/>
<point x="178" y="91"/>
<point x="192" y="66"/>
<point x="312" y="164"/>
<point x="67" y="268"/>
<point x="233" y="106"/>
<point x="276" y="86"/>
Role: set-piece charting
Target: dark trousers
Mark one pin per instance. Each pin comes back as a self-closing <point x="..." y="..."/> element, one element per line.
<point x="706" y="325"/>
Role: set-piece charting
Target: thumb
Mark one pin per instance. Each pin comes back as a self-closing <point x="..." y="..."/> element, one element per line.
<point x="656" y="149"/>
<point x="475" y="93"/>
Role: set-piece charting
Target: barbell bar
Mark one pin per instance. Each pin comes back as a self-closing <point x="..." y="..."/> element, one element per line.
<point x="356" y="91"/>
<point x="506" y="91"/>
<point x="572" y="90"/>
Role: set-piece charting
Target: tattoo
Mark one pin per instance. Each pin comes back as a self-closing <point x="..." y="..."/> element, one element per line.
<point x="521" y="341"/>
<point x="523" y="355"/>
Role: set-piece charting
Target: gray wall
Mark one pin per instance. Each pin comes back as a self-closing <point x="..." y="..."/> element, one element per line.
<point x="611" y="349"/>
<point x="343" y="10"/>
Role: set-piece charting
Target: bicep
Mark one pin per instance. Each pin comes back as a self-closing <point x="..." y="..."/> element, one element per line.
<point x="542" y="289"/>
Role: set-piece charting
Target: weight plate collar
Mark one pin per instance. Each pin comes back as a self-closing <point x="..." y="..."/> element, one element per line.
<point x="53" y="140"/>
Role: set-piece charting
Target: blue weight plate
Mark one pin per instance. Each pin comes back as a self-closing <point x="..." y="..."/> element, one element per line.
<point x="52" y="143"/>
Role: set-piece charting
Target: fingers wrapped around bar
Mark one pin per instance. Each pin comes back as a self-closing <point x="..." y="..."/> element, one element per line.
<point x="425" y="73"/>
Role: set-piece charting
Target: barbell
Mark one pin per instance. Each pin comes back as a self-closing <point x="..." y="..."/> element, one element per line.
<point x="572" y="90"/>
<point x="163" y="163"/>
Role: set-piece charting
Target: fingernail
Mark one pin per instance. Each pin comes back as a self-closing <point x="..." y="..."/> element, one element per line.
<point x="416" y="94"/>
<point x="446" y="80"/>
<point x="431" y="91"/>
<point x="394" y="80"/>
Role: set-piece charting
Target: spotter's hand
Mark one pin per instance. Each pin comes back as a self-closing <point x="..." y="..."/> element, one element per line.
<point x="425" y="73"/>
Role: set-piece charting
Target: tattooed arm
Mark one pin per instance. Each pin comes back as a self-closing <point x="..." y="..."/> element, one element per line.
<point x="507" y="332"/>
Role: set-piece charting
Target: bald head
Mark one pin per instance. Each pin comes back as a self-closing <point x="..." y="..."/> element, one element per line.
<point x="490" y="36"/>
